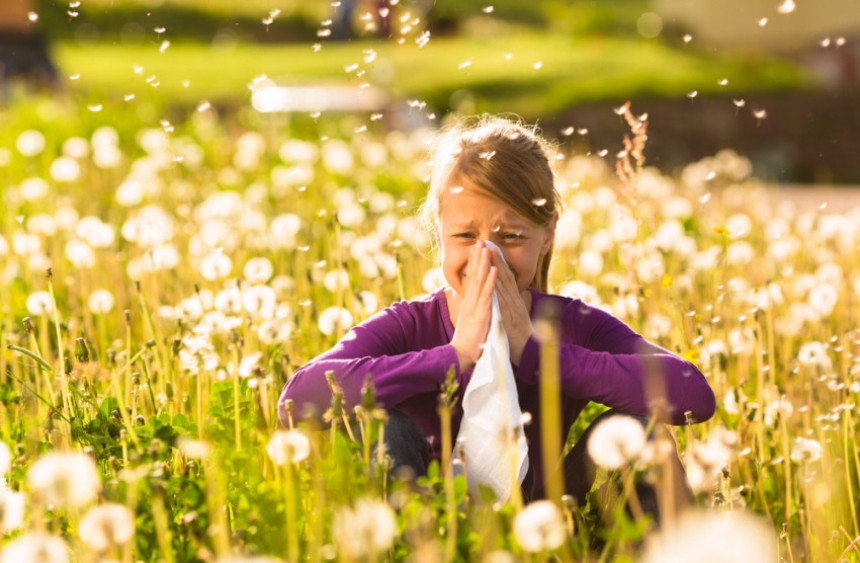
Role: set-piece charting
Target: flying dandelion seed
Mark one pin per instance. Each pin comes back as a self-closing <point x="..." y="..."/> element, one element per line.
<point x="73" y="14"/>
<point x="739" y="103"/>
<point x="464" y="64"/>
<point x="540" y="527"/>
<point x="74" y="76"/>
<point x="692" y="94"/>
<point x="787" y="7"/>
<point x="762" y="22"/>
<point x="840" y="41"/>
<point x="723" y="81"/>
<point x="164" y="45"/>
<point x="760" y="113"/>
<point x="159" y="30"/>
<point x="324" y="32"/>
<point x="568" y="131"/>
<point x="487" y="9"/>
<point x="825" y="42"/>
<point x="33" y="17"/>
<point x="537" y="65"/>
<point x="582" y="131"/>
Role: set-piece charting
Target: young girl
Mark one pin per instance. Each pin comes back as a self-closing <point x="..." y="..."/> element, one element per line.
<point x="491" y="181"/>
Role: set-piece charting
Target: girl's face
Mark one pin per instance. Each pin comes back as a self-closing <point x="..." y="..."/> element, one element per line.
<point x="466" y="215"/>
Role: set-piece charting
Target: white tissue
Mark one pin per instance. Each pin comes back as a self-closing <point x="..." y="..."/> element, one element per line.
<point x="491" y="431"/>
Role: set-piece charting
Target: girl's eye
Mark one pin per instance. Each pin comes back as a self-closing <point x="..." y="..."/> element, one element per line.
<point x="464" y="235"/>
<point x="512" y="236"/>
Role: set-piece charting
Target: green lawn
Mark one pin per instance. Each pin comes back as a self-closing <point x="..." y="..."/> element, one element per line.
<point x="526" y="72"/>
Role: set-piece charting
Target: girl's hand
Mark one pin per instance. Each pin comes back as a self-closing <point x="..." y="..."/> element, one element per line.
<point x="514" y="307"/>
<point x="475" y="308"/>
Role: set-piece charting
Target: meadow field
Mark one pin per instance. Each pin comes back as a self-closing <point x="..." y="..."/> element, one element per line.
<point x="169" y="256"/>
<point x="160" y="284"/>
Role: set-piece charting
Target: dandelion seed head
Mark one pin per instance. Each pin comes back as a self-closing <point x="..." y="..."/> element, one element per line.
<point x="80" y="254"/>
<point x="30" y="143"/>
<point x="540" y="527"/>
<point x="699" y="532"/>
<point x="215" y="266"/>
<point x="367" y="527"/>
<point x="332" y="318"/>
<point x="62" y="479"/>
<point x="12" y="509"/>
<point x="805" y="450"/>
<point x="37" y="547"/>
<point x="288" y="446"/>
<point x="616" y="441"/>
<point x="39" y="303"/>
<point x="101" y="302"/>
<point x="107" y="525"/>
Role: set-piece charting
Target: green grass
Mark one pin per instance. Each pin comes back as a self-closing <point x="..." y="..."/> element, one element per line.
<point x="571" y="70"/>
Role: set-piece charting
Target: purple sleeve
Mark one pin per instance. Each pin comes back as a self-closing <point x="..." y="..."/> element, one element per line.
<point x="604" y="360"/>
<point x="387" y="346"/>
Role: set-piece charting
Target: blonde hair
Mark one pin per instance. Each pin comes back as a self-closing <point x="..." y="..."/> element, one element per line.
<point x="506" y="160"/>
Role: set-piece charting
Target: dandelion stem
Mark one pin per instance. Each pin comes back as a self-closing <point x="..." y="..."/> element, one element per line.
<point x="290" y="511"/>
<point x="550" y="407"/>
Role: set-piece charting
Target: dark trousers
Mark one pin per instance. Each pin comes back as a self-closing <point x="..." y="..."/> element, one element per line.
<point x="406" y="445"/>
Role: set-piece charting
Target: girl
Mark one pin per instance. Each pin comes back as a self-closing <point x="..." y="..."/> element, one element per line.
<point x="491" y="181"/>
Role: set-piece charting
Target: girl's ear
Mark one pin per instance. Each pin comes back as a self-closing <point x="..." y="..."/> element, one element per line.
<point x="549" y="235"/>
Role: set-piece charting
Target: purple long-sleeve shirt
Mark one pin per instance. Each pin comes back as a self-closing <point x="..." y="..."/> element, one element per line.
<point x="407" y="350"/>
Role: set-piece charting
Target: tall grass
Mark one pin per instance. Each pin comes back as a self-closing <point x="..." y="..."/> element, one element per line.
<point x="160" y="285"/>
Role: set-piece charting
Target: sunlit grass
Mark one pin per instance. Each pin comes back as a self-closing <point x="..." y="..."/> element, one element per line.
<point x="194" y="264"/>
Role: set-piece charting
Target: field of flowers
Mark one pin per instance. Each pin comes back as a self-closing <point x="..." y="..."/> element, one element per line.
<point x="160" y="283"/>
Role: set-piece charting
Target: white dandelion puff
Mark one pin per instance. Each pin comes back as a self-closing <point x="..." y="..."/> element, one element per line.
<point x="30" y="143"/>
<point x="39" y="303"/>
<point x="805" y="450"/>
<point x="35" y="546"/>
<point x="288" y="446"/>
<point x="64" y="479"/>
<point x="107" y="525"/>
<point x="540" y="527"/>
<point x="330" y="319"/>
<point x="616" y="441"/>
<point x="697" y="533"/>
<point x="215" y="266"/>
<point x="101" y="301"/>
<point x="365" y="529"/>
